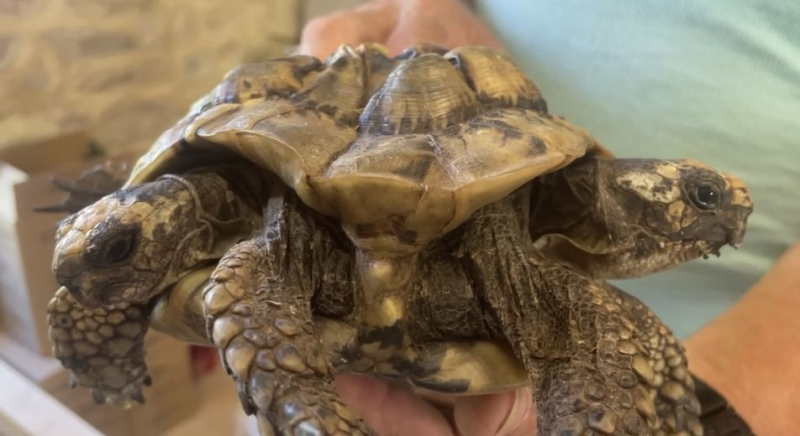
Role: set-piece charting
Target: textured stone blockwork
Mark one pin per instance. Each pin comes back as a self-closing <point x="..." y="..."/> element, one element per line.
<point x="125" y="69"/>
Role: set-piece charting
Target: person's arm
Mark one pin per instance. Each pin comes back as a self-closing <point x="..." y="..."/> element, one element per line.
<point x="751" y="353"/>
<point x="398" y="24"/>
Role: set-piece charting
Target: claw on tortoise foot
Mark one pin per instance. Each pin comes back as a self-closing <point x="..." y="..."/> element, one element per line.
<point x="138" y="396"/>
<point x="239" y="358"/>
<point x="98" y="397"/>
<point x="241" y="390"/>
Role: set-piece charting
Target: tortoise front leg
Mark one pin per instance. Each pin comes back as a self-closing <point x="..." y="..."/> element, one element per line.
<point x="677" y="407"/>
<point x="606" y="383"/>
<point x="264" y="331"/>
<point x="589" y="373"/>
<point x="258" y="309"/>
<point x="619" y="371"/>
<point x="102" y="347"/>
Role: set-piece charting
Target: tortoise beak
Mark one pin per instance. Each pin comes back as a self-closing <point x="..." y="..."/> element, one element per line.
<point x="742" y="203"/>
<point x="69" y="269"/>
<point x="735" y="237"/>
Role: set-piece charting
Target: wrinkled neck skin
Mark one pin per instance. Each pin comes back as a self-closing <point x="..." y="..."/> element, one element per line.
<point x="580" y="218"/>
<point x="573" y="220"/>
<point x="227" y="208"/>
<point x="623" y="218"/>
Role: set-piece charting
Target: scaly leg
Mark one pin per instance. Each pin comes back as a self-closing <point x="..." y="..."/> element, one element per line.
<point x="102" y="347"/>
<point x="586" y="376"/>
<point x="258" y="309"/>
<point x="606" y="383"/>
<point x="566" y="330"/>
<point x="673" y="387"/>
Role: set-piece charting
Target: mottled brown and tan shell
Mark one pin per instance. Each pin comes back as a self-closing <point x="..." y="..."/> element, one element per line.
<point x="405" y="147"/>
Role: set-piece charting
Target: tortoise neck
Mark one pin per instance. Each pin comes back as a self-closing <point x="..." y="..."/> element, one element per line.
<point x="571" y="203"/>
<point x="224" y="191"/>
<point x="226" y="211"/>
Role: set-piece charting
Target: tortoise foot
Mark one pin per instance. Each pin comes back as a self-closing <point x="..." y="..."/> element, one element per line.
<point x="91" y="186"/>
<point x="102" y="347"/>
<point x="263" y="328"/>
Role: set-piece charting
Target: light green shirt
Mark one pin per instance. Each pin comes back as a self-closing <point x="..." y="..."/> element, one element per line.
<point x="712" y="80"/>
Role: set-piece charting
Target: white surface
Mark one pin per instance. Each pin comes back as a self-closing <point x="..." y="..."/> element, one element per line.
<point x="9" y="176"/>
<point x="26" y="410"/>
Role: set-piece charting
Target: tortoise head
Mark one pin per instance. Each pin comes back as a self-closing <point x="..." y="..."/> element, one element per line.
<point x="131" y="245"/>
<point x="677" y="210"/>
<point x="685" y="202"/>
<point x="619" y="218"/>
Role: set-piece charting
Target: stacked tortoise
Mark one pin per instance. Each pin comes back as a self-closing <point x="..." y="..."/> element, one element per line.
<point x="419" y="218"/>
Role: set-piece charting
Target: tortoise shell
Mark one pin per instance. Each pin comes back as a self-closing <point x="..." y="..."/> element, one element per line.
<point x="400" y="150"/>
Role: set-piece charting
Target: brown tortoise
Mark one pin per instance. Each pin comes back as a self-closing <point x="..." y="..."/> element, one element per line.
<point x="420" y="218"/>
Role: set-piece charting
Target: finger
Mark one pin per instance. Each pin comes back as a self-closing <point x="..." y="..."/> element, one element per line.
<point x="423" y="22"/>
<point x="372" y="22"/>
<point x="416" y="26"/>
<point x="503" y="414"/>
<point x="391" y="409"/>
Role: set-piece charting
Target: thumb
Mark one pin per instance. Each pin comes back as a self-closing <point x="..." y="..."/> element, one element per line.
<point x="504" y="414"/>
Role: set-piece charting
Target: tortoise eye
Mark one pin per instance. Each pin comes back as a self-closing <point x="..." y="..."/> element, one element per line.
<point x="118" y="248"/>
<point x="705" y="196"/>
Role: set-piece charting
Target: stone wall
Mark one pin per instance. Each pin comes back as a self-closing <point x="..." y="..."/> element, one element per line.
<point x="125" y="69"/>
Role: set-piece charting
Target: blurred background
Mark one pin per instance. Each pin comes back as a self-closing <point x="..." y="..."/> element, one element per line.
<point x="125" y="70"/>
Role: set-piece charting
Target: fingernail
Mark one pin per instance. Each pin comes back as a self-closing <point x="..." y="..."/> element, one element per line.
<point x="522" y="407"/>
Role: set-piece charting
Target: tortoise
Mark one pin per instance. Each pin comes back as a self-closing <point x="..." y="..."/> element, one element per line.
<point x="420" y="218"/>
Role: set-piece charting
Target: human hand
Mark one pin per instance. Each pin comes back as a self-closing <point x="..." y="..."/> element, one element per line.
<point x="397" y="24"/>
<point x="393" y="410"/>
<point x="751" y="353"/>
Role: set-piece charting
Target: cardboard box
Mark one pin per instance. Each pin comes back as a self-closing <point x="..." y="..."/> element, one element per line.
<point x="27" y="238"/>
<point x="171" y="400"/>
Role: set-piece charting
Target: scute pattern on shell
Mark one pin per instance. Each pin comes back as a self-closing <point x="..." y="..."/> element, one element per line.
<point x="439" y="133"/>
